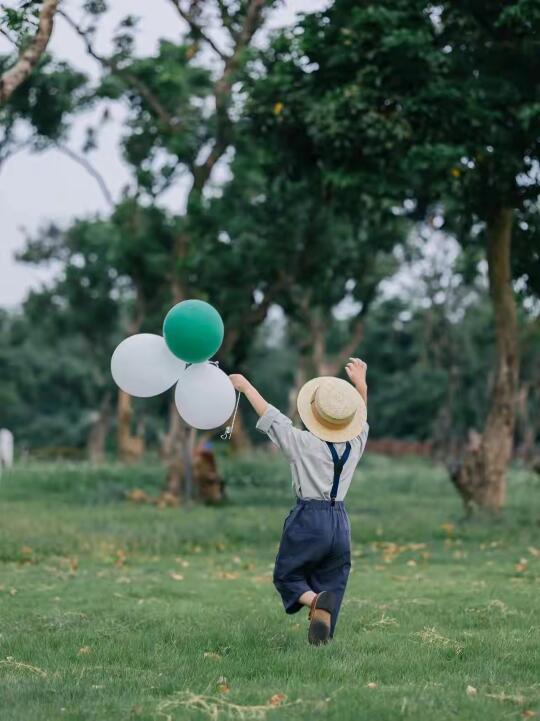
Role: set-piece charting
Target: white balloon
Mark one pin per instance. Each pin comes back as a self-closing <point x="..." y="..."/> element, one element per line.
<point x="143" y="366"/>
<point x="205" y="397"/>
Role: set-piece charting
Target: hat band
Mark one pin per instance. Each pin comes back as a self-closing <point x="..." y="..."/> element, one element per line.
<point x="325" y="419"/>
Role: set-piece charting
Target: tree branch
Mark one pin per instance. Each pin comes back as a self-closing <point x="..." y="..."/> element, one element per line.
<point x="251" y="23"/>
<point x="84" y="163"/>
<point x="29" y="58"/>
<point x="226" y="19"/>
<point x="338" y="359"/>
<point x="222" y="94"/>
<point x="197" y="30"/>
<point x="161" y="112"/>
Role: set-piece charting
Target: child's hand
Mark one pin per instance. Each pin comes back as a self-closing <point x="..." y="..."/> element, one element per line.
<point x="356" y="369"/>
<point x="239" y="381"/>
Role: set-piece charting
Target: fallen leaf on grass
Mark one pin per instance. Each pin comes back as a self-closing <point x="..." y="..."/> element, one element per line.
<point x="536" y="553"/>
<point x="166" y="499"/>
<point x="227" y="575"/>
<point x="212" y="654"/>
<point x="528" y="714"/>
<point x="121" y="556"/>
<point x="372" y="684"/>
<point x="522" y="565"/>
<point x="223" y="685"/>
<point x="84" y="650"/>
<point x="448" y="528"/>
<point x="471" y="691"/>
<point x="137" y="495"/>
<point x="276" y="699"/>
<point x="176" y="576"/>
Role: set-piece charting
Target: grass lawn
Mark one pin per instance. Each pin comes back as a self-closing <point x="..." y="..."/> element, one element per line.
<point x="111" y="610"/>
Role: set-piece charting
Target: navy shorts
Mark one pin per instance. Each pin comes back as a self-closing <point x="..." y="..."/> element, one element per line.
<point x="314" y="553"/>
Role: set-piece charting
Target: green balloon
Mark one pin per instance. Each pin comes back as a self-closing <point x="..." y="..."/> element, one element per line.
<point x="193" y="330"/>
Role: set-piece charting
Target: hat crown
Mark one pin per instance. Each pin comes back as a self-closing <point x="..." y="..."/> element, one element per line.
<point x="336" y="401"/>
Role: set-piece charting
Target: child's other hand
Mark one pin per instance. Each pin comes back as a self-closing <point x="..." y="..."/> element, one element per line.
<point x="239" y="381"/>
<point x="356" y="369"/>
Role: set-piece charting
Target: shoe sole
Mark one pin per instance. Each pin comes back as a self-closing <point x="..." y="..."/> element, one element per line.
<point x="319" y="627"/>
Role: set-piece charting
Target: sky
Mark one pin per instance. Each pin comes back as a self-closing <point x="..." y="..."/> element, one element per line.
<point x="39" y="188"/>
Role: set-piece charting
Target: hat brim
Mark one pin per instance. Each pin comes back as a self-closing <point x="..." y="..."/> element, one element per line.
<point x="318" y="428"/>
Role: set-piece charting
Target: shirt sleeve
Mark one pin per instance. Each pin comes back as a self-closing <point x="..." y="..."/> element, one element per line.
<point x="362" y="438"/>
<point x="279" y="428"/>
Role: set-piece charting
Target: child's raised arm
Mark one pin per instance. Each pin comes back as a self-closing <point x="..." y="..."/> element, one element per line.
<point x="356" y="370"/>
<point x="242" y="384"/>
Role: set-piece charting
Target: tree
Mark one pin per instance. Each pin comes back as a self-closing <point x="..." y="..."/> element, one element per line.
<point x="32" y="48"/>
<point x="441" y="101"/>
<point x="180" y="120"/>
<point x="313" y="253"/>
<point x="304" y="256"/>
<point x="81" y="304"/>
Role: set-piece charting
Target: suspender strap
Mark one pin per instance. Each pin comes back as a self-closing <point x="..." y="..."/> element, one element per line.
<point x="338" y="467"/>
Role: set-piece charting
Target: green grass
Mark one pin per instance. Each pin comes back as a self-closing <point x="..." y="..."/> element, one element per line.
<point x="115" y="611"/>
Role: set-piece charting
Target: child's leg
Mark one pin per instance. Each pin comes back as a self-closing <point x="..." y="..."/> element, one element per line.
<point x="306" y="599"/>
<point x="332" y="572"/>
<point x="298" y="554"/>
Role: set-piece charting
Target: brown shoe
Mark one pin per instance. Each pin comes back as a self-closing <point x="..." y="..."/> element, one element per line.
<point x="320" y="617"/>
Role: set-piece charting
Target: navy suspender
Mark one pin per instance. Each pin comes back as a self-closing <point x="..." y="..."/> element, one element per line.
<point x="338" y="467"/>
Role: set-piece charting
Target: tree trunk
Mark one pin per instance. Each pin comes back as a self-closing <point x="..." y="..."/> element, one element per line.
<point x="481" y="477"/>
<point x="130" y="447"/>
<point x="177" y="452"/>
<point x="97" y="436"/>
<point x="240" y="440"/>
<point x="300" y="377"/>
<point x="526" y="428"/>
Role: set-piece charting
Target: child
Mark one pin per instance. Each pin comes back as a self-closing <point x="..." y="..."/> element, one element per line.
<point x="314" y="557"/>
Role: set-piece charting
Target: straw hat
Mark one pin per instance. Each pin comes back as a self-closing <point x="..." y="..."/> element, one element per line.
<point x="332" y="409"/>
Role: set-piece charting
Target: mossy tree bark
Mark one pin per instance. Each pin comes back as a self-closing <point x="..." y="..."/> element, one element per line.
<point x="481" y="477"/>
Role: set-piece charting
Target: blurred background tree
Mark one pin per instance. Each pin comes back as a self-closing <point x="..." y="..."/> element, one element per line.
<point x="362" y="182"/>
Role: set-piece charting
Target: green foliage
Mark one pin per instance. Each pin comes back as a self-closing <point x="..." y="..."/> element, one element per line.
<point x="42" y="106"/>
<point x="20" y="20"/>
<point x="351" y="126"/>
<point x="439" y="103"/>
<point x="171" y="116"/>
<point x="110" y="283"/>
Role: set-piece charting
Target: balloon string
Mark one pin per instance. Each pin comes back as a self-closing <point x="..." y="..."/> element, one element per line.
<point x="226" y="436"/>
